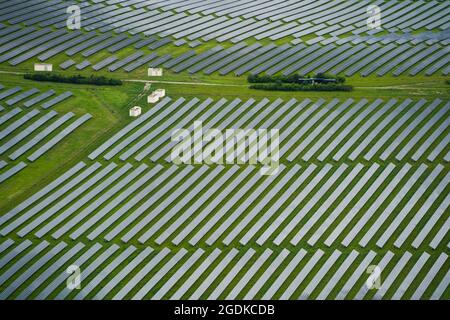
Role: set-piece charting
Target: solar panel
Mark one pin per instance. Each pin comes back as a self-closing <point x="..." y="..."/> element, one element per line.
<point x="231" y="274"/>
<point x="314" y="282"/>
<point x="40" y="136"/>
<point x="83" y="65"/>
<point x="144" y="290"/>
<point x="105" y="182"/>
<point x="50" y="212"/>
<point x="8" y="274"/>
<point x="31" y="270"/>
<point x="93" y="283"/>
<point x="387" y="282"/>
<point x="9" y="92"/>
<point x="124" y="43"/>
<point x="139" y="62"/>
<point x="178" y="274"/>
<point x="196" y="205"/>
<point x="39" y="98"/>
<point x="90" y="268"/>
<point x="216" y="57"/>
<point x="62" y="277"/>
<point x="394" y="203"/>
<point x="47" y="201"/>
<point x="281" y="278"/>
<point x="144" y="206"/>
<point x="299" y="198"/>
<point x="113" y="204"/>
<point x="425" y="231"/>
<point x="295" y="283"/>
<point x="245" y="279"/>
<point x="158" y="62"/>
<point x="431" y="137"/>
<point x="165" y="140"/>
<point x="326" y="204"/>
<point x="223" y="209"/>
<point x="379" y="128"/>
<point x="376" y="204"/>
<point x="56" y="100"/>
<point x="359" y="271"/>
<point x="354" y="210"/>
<point x="393" y="128"/>
<point x="176" y="196"/>
<point x="410" y="277"/>
<point x="26" y="132"/>
<point x="15" y="125"/>
<point x="195" y="59"/>
<point x="259" y="206"/>
<point x="100" y="65"/>
<point x="213" y="204"/>
<point x="21" y="96"/>
<point x="196" y="275"/>
<point x="103" y="45"/>
<point x="343" y="204"/>
<point x="82" y="215"/>
<point x="126" y="60"/>
<point x="67" y="64"/>
<point x="66" y="45"/>
<point x="431" y="274"/>
<point x="128" y="286"/>
<point x="132" y="265"/>
<point x="440" y="234"/>
<point x="243" y="60"/>
<point x="12" y="171"/>
<point x="87" y="44"/>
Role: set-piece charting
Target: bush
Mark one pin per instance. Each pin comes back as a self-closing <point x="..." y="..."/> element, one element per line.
<point x="296" y="78"/>
<point x="77" y="79"/>
<point x="300" y="87"/>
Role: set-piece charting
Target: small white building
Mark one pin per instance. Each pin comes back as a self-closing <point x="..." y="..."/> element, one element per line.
<point x="153" y="98"/>
<point x="155" y="72"/>
<point x="160" y="93"/>
<point x="135" y="111"/>
<point x="47" y="67"/>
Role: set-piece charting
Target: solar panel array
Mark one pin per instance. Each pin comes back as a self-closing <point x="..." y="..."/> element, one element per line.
<point x="360" y="182"/>
<point x="31" y="131"/>
<point x="137" y="273"/>
<point x="339" y="32"/>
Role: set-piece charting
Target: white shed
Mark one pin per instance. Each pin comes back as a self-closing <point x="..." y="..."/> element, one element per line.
<point x="153" y="98"/>
<point x="155" y="72"/>
<point x="160" y="93"/>
<point x="135" y="111"/>
<point x="43" y="67"/>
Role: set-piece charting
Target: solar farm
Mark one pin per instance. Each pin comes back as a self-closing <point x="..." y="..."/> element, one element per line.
<point x="362" y="181"/>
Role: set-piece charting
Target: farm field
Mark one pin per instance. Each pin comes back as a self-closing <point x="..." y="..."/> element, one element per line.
<point x="361" y="178"/>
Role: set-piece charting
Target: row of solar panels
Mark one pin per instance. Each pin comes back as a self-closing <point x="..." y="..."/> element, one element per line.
<point x="15" y="98"/>
<point x="408" y="14"/>
<point x="404" y="205"/>
<point x="351" y="130"/>
<point x="38" y="271"/>
<point x="327" y="15"/>
<point x="20" y="135"/>
<point x="20" y="132"/>
<point x="345" y="57"/>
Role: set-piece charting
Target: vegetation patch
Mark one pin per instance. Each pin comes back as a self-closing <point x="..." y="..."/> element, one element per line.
<point x="318" y="82"/>
<point x="76" y="79"/>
